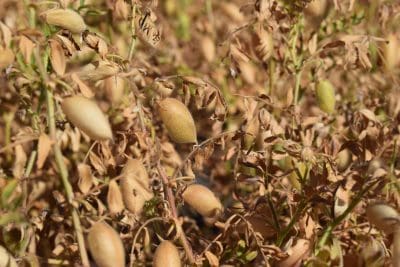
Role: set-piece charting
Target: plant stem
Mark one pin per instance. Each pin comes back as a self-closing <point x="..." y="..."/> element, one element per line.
<point x="27" y="172"/>
<point x="285" y="232"/>
<point x="171" y="201"/>
<point x="329" y="229"/>
<point x="64" y="178"/>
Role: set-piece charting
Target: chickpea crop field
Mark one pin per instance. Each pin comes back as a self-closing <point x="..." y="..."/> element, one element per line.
<point x="211" y="133"/>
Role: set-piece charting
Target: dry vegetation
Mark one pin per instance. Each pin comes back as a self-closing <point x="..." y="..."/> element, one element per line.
<point x="199" y="132"/>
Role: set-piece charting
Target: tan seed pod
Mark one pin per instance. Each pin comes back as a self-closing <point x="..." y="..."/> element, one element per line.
<point x="166" y="255"/>
<point x="326" y="96"/>
<point x="135" y="186"/>
<point x="203" y="200"/>
<point x="178" y="121"/>
<point x="384" y="217"/>
<point x="114" y="87"/>
<point x="87" y="116"/>
<point x="106" y="246"/>
<point x="6" y="57"/>
<point x="114" y="198"/>
<point x="66" y="19"/>
<point x="207" y="48"/>
<point x="391" y="52"/>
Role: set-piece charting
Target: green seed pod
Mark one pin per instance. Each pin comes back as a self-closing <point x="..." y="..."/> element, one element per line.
<point x="135" y="186"/>
<point x="106" y="246"/>
<point x="326" y="96"/>
<point x="87" y="116"/>
<point x="203" y="200"/>
<point x="343" y="159"/>
<point x="66" y="19"/>
<point x="384" y="217"/>
<point x="178" y="121"/>
<point x="166" y="255"/>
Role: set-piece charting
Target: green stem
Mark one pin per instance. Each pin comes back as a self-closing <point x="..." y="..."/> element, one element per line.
<point x="64" y="178"/>
<point x="27" y="172"/>
<point x="299" y="211"/>
<point x="329" y="229"/>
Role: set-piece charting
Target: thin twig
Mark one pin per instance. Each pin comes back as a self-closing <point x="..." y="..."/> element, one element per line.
<point x="171" y="200"/>
<point x="64" y="178"/>
<point x="25" y="178"/>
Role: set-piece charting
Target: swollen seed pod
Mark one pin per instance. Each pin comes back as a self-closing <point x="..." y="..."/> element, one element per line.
<point x="135" y="186"/>
<point x="384" y="217"/>
<point x="166" y="255"/>
<point x="178" y="121"/>
<point x="106" y="246"/>
<point x="114" y="87"/>
<point x="66" y="19"/>
<point x="87" y="116"/>
<point x="326" y="96"/>
<point x="207" y="48"/>
<point x="343" y="159"/>
<point x="203" y="200"/>
<point x="390" y="52"/>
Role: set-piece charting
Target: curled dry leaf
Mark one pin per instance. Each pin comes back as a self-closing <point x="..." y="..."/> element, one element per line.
<point x="85" y="90"/>
<point x="19" y="162"/>
<point x="178" y="121"/>
<point x="87" y="116"/>
<point x="86" y="178"/>
<point x="6" y="57"/>
<point x="166" y="255"/>
<point x="384" y="217"/>
<point x="26" y="47"/>
<point x="372" y="254"/>
<point x="44" y="147"/>
<point x="106" y="246"/>
<point x="203" y="200"/>
<point x="212" y="259"/>
<point x="135" y="186"/>
<point x="103" y="71"/>
<point x="114" y="198"/>
<point x="66" y="19"/>
<point x="296" y="254"/>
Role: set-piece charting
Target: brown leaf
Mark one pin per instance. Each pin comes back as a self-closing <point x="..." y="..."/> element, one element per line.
<point x="19" y="162"/>
<point x="86" y="178"/>
<point x="44" y="147"/>
<point x="57" y="57"/>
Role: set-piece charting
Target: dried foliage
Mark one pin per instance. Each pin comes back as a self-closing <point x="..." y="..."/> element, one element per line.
<point x="199" y="133"/>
